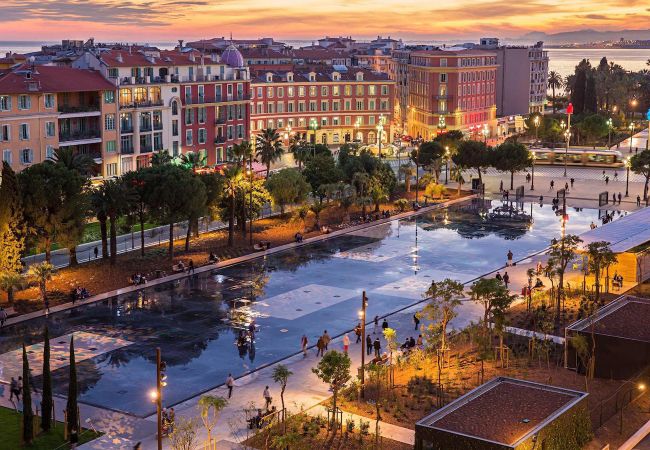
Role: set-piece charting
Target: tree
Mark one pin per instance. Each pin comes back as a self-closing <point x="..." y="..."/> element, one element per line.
<point x="594" y="127"/>
<point x="183" y="437"/>
<point x="428" y="153"/>
<point x="333" y="369"/>
<point x="13" y="229"/>
<point x="73" y="160"/>
<point x="9" y="282"/>
<point x="317" y="209"/>
<point x="361" y="183"/>
<point x="193" y="160"/>
<point x="71" y="407"/>
<point x="640" y="164"/>
<point x="512" y="157"/>
<point x="242" y="153"/>
<point x="408" y="171"/>
<point x="377" y="191"/>
<point x="561" y="253"/>
<point x="28" y="414"/>
<point x="492" y="294"/>
<point x="472" y="155"/>
<point x="554" y="82"/>
<point x="233" y="178"/>
<point x="386" y="176"/>
<point x="99" y="203"/>
<point x="140" y="183"/>
<point x="591" y="102"/>
<point x="601" y="257"/>
<point x="47" y="402"/>
<point x="114" y="196"/>
<point x="161" y="158"/>
<point x="321" y="170"/>
<point x="269" y="148"/>
<point x="301" y="151"/>
<point x="579" y="87"/>
<point x="43" y="273"/>
<point x="288" y="186"/>
<point x="434" y="190"/>
<point x="281" y="374"/>
<point x="444" y="297"/>
<point x="210" y="407"/>
<point x="391" y="341"/>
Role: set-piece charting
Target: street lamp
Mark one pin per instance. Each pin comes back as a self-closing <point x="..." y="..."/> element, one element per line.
<point x="632" y="125"/>
<point x="633" y="103"/>
<point x="532" y="176"/>
<point x="446" y="164"/>
<point x="536" y="122"/>
<point x="380" y="130"/>
<point x="357" y="125"/>
<point x="485" y="131"/>
<point x="627" y="178"/>
<point x="609" y="132"/>
<point x="362" y="318"/>
<point x="156" y="394"/>
<point x="647" y="116"/>
<point x="569" y="111"/>
<point x="250" y="200"/>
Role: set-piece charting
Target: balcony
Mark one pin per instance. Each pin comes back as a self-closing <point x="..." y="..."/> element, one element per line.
<point x="157" y="126"/>
<point x="443" y="97"/>
<point x="220" y="121"/>
<point x="79" y="136"/>
<point x="70" y="112"/>
<point x="146" y="148"/>
<point x="126" y="129"/>
<point x="143" y="104"/>
<point x="219" y="140"/>
<point x="144" y="127"/>
<point x="126" y="151"/>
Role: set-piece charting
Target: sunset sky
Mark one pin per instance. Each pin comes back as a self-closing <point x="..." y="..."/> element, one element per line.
<point x="290" y="19"/>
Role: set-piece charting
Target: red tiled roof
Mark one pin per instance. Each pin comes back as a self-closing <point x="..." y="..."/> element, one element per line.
<point x="468" y="52"/>
<point x="124" y="58"/>
<point x="53" y="79"/>
<point x="323" y="74"/>
<point x="318" y="54"/>
<point x="262" y="53"/>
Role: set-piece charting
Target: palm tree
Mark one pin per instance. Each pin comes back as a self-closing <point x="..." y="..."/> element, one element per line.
<point x="554" y="82"/>
<point x="209" y="407"/>
<point x="9" y="282"/>
<point x="43" y="273"/>
<point x="160" y="158"/>
<point x="269" y="148"/>
<point x="98" y="203"/>
<point x="72" y="160"/>
<point x="242" y="153"/>
<point x="301" y="152"/>
<point x="317" y="209"/>
<point x="361" y="183"/>
<point x="194" y="160"/>
<point x="116" y="197"/>
<point x="408" y="171"/>
<point x="281" y="374"/>
<point x="233" y="178"/>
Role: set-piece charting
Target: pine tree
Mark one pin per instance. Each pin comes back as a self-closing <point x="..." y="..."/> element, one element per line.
<point x="72" y="409"/>
<point x="28" y="414"/>
<point x="47" y="402"/>
<point x="12" y="224"/>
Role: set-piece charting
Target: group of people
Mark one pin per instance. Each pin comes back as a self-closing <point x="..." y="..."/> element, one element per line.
<point x="505" y="278"/>
<point x="3" y="316"/>
<point x="79" y="293"/>
<point x="212" y="258"/>
<point x="138" y="278"/>
<point x="298" y="237"/>
<point x="410" y="343"/>
<point x="322" y="343"/>
<point x="617" y="280"/>
<point x="168" y="420"/>
<point x="180" y="267"/>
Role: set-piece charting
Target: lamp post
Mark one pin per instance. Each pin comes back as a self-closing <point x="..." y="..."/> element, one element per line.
<point x="569" y="111"/>
<point x="156" y="395"/>
<point x="536" y="122"/>
<point x="250" y="200"/>
<point x="357" y="125"/>
<point x="380" y="131"/>
<point x="633" y="103"/>
<point x="627" y="177"/>
<point x="632" y="125"/>
<point x="609" y="132"/>
<point x="485" y="131"/>
<point x="647" y="140"/>
<point x="417" y="172"/>
<point x="532" y="175"/>
<point x="446" y="164"/>
<point x="362" y="317"/>
<point x="313" y="125"/>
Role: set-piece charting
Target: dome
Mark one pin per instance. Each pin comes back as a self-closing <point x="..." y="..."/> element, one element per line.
<point x="232" y="57"/>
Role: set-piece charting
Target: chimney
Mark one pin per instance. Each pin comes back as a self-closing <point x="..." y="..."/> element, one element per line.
<point x="119" y="58"/>
<point x="180" y="45"/>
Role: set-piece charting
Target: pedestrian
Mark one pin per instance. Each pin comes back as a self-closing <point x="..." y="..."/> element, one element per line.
<point x="638" y="200"/>
<point x="566" y="186"/>
<point x="416" y="320"/>
<point x="527" y="177"/>
<point x="420" y="341"/>
<point x="368" y="345"/>
<point x="506" y="278"/>
<point x="572" y="181"/>
<point x="606" y="180"/>
<point x="230" y="383"/>
<point x="267" y="397"/>
<point x="376" y="327"/>
<point x="326" y="339"/>
<point x="357" y="332"/>
<point x="552" y="184"/>
<point x="3" y="316"/>
<point x="377" y="347"/>
<point x="501" y="186"/>
<point x="303" y="344"/>
<point x="320" y="347"/>
<point x="498" y="276"/>
<point x="619" y="198"/>
<point x="96" y="252"/>
<point x="510" y="256"/>
<point x="603" y="174"/>
<point x="384" y="325"/>
<point x="613" y="198"/>
<point x="615" y="176"/>
<point x="346" y="343"/>
<point x="190" y="267"/>
<point x="14" y="391"/>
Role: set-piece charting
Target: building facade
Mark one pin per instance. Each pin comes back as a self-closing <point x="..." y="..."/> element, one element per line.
<point x="43" y="108"/>
<point x="324" y="105"/>
<point x="451" y="90"/>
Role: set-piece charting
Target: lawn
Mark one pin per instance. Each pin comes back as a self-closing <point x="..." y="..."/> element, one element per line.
<point x="11" y="425"/>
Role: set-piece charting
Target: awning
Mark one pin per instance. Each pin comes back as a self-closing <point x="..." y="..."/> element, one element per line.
<point x="622" y="234"/>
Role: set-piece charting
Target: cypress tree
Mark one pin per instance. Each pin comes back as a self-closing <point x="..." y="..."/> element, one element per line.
<point x="72" y="410"/>
<point x="591" y="101"/>
<point x="28" y="414"/>
<point x="47" y="402"/>
<point x="12" y="223"/>
<point x="578" y="92"/>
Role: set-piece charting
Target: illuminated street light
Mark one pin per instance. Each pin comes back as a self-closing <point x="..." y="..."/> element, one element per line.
<point x="627" y="178"/>
<point x="631" y="127"/>
<point x="536" y="123"/>
<point x="380" y="131"/>
<point x="609" y="132"/>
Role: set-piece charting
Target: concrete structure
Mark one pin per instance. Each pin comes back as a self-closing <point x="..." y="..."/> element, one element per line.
<point x="521" y="77"/>
<point x="452" y="89"/>
<point x="505" y="413"/>
<point x="328" y="105"/>
<point x="46" y="107"/>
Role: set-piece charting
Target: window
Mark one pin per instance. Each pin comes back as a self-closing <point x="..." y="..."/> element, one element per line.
<point x="269" y="92"/>
<point x="203" y="134"/>
<point x="26" y="156"/>
<point x="229" y="132"/>
<point x="174" y="127"/>
<point x="111" y="169"/>
<point x="312" y="106"/>
<point x="443" y="77"/>
<point x="323" y="121"/>
<point x="359" y="89"/>
<point x="359" y="105"/>
<point x="175" y="149"/>
<point x="5" y="103"/>
<point x="280" y="92"/>
<point x="324" y="91"/>
<point x="109" y="96"/>
<point x="5" y="133"/>
<point x="6" y="156"/>
<point x="145" y="143"/>
<point x="384" y="89"/>
<point x="372" y="90"/>
<point x="111" y="146"/>
<point x="157" y="141"/>
<point x="290" y="91"/>
<point x="188" y="137"/>
<point x="174" y="108"/>
<point x="313" y="91"/>
<point x="323" y="105"/>
<point x="126" y="122"/>
<point x="49" y="152"/>
<point x="50" y="129"/>
<point x="188" y="95"/>
<point x="336" y="90"/>
<point x="113" y="72"/>
<point x="189" y="116"/>
<point x="145" y="121"/>
<point x="49" y="101"/>
<point x="24" y="132"/>
<point x="301" y="91"/>
<point x="126" y="145"/>
<point x="126" y="97"/>
<point x="109" y="122"/>
<point x="127" y="165"/>
<point x="24" y="102"/>
<point x="348" y="89"/>
<point x="260" y="92"/>
<point x="140" y="95"/>
<point x="201" y="93"/>
<point x="203" y="112"/>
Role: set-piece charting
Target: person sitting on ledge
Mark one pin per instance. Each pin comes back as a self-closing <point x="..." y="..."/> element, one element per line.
<point x="213" y="258"/>
<point x="298" y="237"/>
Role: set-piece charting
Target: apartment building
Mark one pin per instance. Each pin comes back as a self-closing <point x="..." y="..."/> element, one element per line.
<point x="328" y="105"/>
<point x="451" y="89"/>
<point x="46" y="107"/>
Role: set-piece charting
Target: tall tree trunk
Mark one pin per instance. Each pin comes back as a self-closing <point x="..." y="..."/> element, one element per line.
<point x="553" y="93"/>
<point x="28" y="415"/>
<point x="187" y="237"/>
<point x="104" y="235"/>
<point x="48" y="248"/>
<point x="171" y="240"/>
<point x="113" y="240"/>
<point x="512" y="180"/>
<point x="268" y="169"/>
<point x="231" y="221"/>
<point x="141" y="234"/>
<point x="558" y="302"/>
<point x="73" y="255"/>
<point x="47" y="402"/>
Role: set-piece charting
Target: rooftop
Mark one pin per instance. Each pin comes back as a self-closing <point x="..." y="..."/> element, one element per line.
<point x="323" y="74"/>
<point x="503" y="410"/>
<point x="625" y="317"/>
<point x="455" y="51"/>
<point x="52" y="79"/>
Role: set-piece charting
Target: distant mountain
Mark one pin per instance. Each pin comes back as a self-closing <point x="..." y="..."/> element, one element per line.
<point x="584" y="36"/>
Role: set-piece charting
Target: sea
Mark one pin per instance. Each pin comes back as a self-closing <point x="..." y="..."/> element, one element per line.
<point x="561" y="60"/>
